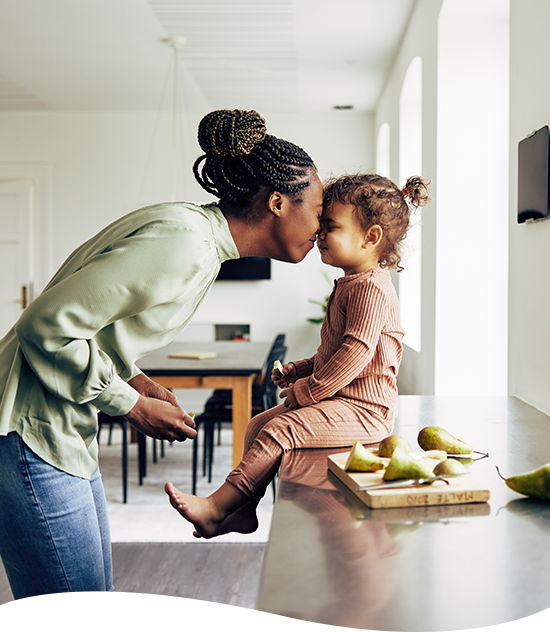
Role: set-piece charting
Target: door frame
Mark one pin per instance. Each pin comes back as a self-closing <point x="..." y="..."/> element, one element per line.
<point x="41" y="178"/>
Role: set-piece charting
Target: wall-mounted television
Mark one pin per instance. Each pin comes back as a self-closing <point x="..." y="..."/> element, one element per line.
<point x="245" y="269"/>
<point x="534" y="176"/>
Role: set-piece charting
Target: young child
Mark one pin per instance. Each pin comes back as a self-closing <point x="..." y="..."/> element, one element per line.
<point x="348" y="389"/>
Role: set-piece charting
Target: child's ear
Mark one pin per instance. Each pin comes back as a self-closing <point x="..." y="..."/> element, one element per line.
<point x="373" y="236"/>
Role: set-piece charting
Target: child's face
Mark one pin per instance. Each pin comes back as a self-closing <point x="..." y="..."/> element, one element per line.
<point x="342" y="241"/>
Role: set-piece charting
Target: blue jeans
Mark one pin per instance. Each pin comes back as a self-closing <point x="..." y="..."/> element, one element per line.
<point x="54" y="529"/>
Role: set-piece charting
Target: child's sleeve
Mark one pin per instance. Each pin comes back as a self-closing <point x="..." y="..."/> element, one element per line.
<point x="367" y="313"/>
<point x="304" y="367"/>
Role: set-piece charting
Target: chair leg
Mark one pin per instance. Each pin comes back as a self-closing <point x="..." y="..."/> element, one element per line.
<point x="124" y="461"/>
<point x="142" y="457"/>
<point x="210" y="451"/>
<point x="195" y="458"/>
<point x="123" y="424"/>
<point x="205" y="447"/>
<point x="154" y="450"/>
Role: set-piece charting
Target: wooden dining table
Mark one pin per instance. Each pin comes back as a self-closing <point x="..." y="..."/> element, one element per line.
<point x="235" y="366"/>
<point x="331" y="559"/>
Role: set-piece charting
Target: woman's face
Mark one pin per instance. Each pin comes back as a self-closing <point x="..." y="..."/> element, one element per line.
<point x="299" y="223"/>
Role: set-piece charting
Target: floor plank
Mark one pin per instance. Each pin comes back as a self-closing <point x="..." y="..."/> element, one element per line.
<point x="232" y="574"/>
<point x="226" y="573"/>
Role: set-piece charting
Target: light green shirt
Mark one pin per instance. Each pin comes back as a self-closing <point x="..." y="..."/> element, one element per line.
<point x="127" y="291"/>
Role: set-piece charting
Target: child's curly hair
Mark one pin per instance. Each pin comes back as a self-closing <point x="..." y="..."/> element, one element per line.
<point x="377" y="200"/>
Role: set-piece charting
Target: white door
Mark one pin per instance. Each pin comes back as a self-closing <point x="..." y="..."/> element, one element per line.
<point x="16" y="250"/>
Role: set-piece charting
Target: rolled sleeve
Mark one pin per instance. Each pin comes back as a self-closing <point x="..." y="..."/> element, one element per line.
<point x="117" y="399"/>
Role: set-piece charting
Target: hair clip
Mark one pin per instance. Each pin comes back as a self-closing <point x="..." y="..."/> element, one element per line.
<point x="405" y="191"/>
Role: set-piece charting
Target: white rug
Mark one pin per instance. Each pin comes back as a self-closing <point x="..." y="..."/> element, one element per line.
<point x="148" y="516"/>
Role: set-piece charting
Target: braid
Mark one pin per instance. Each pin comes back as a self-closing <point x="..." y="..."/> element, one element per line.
<point x="240" y="158"/>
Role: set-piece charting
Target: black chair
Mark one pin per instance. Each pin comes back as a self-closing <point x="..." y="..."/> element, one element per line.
<point x="104" y="421"/>
<point x="224" y="396"/>
<point x="219" y="409"/>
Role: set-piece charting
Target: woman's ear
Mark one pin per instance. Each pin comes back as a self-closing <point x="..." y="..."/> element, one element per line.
<point x="275" y="203"/>
<point x="373" y="236"/>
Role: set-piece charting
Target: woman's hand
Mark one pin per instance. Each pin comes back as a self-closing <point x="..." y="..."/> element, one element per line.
<point x="146" y="387"/>
<point x="290" y="376"/>
<point x="290" y="399"/>
<point x="157" y="412"/>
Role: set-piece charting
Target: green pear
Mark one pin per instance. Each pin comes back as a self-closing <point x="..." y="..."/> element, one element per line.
<point x="449" y="466"/>
<point x="362" y="460"/>
<point x="388" y="445"/>
<point x="403" y="465"/>
<point x="436" y="438"/>
<point x="535" y="484"/>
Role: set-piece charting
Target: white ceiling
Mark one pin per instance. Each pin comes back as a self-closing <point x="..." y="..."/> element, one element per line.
<point x="269" y="55"/>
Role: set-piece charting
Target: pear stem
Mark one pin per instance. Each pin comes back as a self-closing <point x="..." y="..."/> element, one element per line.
<point x="502" y="477"/>
<point x="482" y="453"/>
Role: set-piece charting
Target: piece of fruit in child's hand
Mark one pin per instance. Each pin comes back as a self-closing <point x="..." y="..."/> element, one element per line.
<point x="278" y="368"/>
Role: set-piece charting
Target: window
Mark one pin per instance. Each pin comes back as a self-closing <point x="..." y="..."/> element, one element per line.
<point x="410" y="164"/>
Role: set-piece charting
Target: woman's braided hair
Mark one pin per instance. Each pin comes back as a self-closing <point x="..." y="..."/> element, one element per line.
<point x="377" y="200"/>
<point x="240" y="158"/>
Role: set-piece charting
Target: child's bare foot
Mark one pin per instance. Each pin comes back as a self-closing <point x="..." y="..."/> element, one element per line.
<point x="244" y="520"/>
<point x="202" y="513"/>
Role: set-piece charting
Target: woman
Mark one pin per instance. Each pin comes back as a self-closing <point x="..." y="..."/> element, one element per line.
<point x="130" y="289"/>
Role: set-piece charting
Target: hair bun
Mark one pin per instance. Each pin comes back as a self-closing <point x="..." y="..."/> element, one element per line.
<point x="231" y="132"/>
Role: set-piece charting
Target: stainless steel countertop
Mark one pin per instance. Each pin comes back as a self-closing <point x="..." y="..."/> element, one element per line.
<point x="332" y="560"/>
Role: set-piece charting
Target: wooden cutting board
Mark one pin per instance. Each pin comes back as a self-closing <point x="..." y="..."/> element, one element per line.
<point x="460" y="490"/>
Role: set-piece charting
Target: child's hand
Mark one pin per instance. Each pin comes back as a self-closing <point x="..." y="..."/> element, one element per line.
<point x="290" y="399"/>
<point x="289" y="371"/>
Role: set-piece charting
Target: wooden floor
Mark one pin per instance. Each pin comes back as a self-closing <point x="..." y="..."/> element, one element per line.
<point x="220" y="572"/>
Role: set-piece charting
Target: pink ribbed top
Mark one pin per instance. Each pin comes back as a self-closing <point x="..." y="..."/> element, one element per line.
<point x="361" y="348"/>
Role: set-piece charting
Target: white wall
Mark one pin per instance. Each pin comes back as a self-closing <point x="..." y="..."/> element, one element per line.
<point x="417" y="369"/>
<point x="98" y="162"/>
<point x="464" y="140"/>
<point x="529" y="272"/>
<point x="472" y="203"/>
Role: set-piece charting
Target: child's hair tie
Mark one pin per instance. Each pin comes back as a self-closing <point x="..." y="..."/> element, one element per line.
<point x="405" y="191"/>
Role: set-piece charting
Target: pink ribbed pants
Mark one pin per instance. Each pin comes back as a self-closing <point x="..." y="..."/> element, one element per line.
<point x="331" y="423"/>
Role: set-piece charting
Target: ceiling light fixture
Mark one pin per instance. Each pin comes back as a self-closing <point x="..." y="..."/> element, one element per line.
<point x="178" y="94"/>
